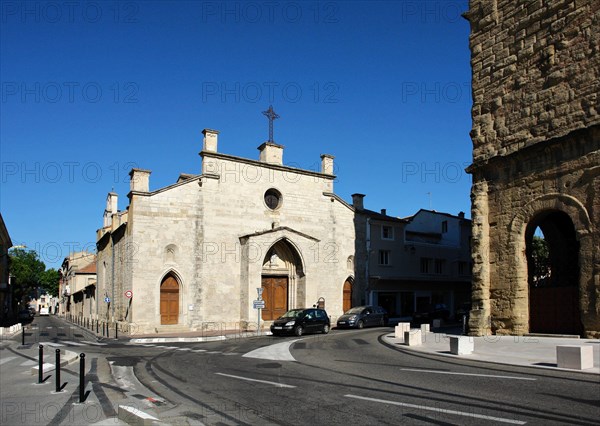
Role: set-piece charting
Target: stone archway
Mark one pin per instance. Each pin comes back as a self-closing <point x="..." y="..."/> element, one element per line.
<point x="554" y="287"/>
<point x="567" y="225"/>
<point x="281" y="280"/>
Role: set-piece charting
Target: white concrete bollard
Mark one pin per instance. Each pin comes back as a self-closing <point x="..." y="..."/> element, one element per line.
<point x="461" y="345"/>
<point x="575" y="357"/>
<point x="413" y="337"/>
<point x="400" y="329"/>
<point x="425" y="328"/>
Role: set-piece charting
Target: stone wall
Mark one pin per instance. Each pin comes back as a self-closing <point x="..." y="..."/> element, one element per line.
<point x="536" y="149"/>
<point x="536" y="71"/>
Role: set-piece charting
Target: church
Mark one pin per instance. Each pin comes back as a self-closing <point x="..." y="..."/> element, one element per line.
<point x="196" y="254"/>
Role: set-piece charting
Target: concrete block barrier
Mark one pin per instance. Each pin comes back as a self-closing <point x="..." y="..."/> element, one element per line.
<point x="461" y="345"/>
<point x="575" y="357"/>
<point x="400" y="329"/>
<point x="413" y="337"/>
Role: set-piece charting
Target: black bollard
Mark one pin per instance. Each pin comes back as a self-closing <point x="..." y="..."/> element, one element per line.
<point x="23" y="336"/>
<point x="116" y="330"/>
<point x="81" y="378"/>
<point x="41" y="364"/>
<point x="57" y="370"/>
<point x="96" y="326"/>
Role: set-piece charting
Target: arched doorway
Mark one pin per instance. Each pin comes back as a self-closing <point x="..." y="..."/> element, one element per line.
<point x="169" y="301"/>
<point x="281" y="273"/>
<point x="552" y="253"/>
<point x="347" y="295"/>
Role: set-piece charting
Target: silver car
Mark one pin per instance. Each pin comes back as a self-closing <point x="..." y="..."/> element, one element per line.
<point x="363" y="316"/>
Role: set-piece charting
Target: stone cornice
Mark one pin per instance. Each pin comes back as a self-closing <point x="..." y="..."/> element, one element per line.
<point x="266" y="165"/>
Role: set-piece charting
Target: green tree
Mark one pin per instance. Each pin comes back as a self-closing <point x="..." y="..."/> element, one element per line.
<point x="541" y="261"/>
<point x="49" y="281"/>
<point x="29" y="273"/>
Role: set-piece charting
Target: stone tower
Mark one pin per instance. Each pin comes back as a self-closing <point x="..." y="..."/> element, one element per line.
<point x="536" y="164"/>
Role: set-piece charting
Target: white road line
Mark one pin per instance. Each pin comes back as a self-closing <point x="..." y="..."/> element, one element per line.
<point x="68" y="342"/>
<point x="8" y="358"/>
<point x="276" y="352"/>
<point x="94" y="343"/>
<point x="440" y="410"/>
<point x="199" y="350"/>
<point x="58" y="345"/>
<point x="29" y="363"/>
<point x="214" y="352"/>
<point x="279" y="385"/>
<point x="148" y="346"/>
<point x="467" y="374"/>
<point x="231" y="353"/>
<point x="184" y="349"/>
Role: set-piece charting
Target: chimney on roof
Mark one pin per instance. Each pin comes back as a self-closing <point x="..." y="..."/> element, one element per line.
<point x="327" y="164"/>
<point x="357" y="201"/>
<point x="384" y="212"/>
<point x="271" y="153"/>
<point x="461" y="215"/>
<point x="210" y="140"/>
<point x="139" y="180"/>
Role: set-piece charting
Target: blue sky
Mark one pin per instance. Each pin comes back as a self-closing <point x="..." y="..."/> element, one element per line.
<point x="91" y="89"/>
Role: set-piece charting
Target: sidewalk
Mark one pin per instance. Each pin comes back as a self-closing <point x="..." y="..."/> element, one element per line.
<point x="527" y="351"/>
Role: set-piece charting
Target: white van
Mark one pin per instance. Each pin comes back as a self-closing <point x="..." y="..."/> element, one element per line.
<point x="44" y="311"/>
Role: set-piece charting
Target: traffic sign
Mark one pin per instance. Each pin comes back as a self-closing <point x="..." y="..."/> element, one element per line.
<point x="107" y="299"/>
<point x="258" y="304"/>
<point x="129" y="294"/>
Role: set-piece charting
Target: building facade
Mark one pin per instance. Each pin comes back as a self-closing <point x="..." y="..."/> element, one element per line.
<point x="415" y="262"/>
<point x="536" y="157"/>
<point x="6" y="309"/>
<point x="77" y="286"/>
<point x="197" y="253"/>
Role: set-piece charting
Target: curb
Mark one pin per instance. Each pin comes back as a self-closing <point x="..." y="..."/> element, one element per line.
<point x="69" y="358"/>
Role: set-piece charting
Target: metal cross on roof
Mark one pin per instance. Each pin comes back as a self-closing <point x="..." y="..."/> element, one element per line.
<point x="271" y="115"/>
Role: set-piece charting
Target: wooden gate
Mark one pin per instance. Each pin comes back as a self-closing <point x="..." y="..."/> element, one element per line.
<point x="554" y="310"/>
<point x="169" y="301"/>
<point x="275" y="295"/>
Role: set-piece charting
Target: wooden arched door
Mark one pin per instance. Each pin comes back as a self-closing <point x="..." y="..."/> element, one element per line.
<point x="169" y="301"/>
<point x="347" y="295"/>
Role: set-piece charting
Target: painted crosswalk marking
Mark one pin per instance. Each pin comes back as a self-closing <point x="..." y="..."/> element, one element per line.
<point x="5" y="360"/>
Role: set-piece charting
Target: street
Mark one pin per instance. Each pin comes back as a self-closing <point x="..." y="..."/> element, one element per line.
<point x="345" y="377"/>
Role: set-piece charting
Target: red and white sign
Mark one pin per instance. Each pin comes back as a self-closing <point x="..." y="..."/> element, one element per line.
<point x="129" y="294"/>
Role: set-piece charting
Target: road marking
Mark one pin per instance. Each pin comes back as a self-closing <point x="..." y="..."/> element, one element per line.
<point x="231" y="353"/>
<point x="29" y="362"/>
<point x="184" y="349"/>
<point x="467" y="374"/>
<point x="276" y="352"/>
<point x="58" y="345"/>
<point x="68" y="342"/>
<point x="214" y="352"/>
<point x="199" y="350"/>
<point x="148" y="346"/>
<point x="279" y="385"/>
<point x="440" y="410"/>
<point x="8" y="358"/>
<point x="94" y="343"/>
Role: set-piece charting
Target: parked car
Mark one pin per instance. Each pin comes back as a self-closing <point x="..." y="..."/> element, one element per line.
<point x="44" y="311"/>
<point x="300" y="321"/>
<point x="363" y="316"/>
<point x="435" y="311"/>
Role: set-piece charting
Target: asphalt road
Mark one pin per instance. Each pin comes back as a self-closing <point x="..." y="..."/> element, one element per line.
<point x="346" y="377"/>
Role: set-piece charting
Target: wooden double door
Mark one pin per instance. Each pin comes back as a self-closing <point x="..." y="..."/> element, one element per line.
<point x="275" y="295"/>
<point x="169" y="301"/>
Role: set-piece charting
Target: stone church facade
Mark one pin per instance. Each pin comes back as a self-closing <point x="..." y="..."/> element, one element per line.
<point x="536" y="165"/>
<point x="195" y="252"/>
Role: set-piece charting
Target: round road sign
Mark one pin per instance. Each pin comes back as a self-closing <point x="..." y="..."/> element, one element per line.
<point x="129" y="294"/>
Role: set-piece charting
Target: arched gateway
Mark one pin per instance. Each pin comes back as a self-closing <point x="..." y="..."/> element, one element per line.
<point x="281" y="273"/>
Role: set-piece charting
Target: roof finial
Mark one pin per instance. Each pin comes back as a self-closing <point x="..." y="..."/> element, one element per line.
<point x="271" y="115"/>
